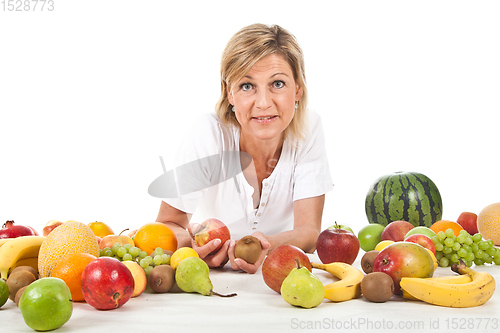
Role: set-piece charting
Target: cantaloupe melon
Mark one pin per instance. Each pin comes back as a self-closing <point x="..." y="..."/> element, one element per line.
<point x="488" y="223"/>
<point x="70" y="237"/>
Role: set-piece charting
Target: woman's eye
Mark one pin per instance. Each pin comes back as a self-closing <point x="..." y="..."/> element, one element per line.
<point x="246" y="86"/>
<point x="278" y="84"/>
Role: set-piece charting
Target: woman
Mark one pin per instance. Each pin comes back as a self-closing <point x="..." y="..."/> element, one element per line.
<point x="279" y="196"/>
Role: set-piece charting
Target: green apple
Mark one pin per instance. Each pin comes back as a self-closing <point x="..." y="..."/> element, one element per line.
<point x="369" y="236"/>
<point x="46" y="304"/>
<point x="422" y="231"/>
<point x="4" y="292"/>
<point x="341" y="226"/>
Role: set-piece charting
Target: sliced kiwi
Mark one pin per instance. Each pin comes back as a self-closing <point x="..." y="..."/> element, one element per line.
<point x="162" y="278"/>
<point x="367" y="261"/>
<point x="17" y="280"/>
<point x="249" y="249"/>
<point x="377" y="287"/>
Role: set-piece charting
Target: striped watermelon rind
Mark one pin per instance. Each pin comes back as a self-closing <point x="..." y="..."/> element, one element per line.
<point x="404" y="196"/>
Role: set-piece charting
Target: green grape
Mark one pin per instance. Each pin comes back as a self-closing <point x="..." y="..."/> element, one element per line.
<point x="143" y="254"/>
<point x="148" y="270"/>
<point x="492" y="244"/>
<point x="462" y="253"/>
<point x="466" y="248"/>
<point x="121" y="252"/>
<point x="144" y="263"/>
<point x="158" y="252"/>
<point x="496" y="260"/>
<point x="456" y="246"/>
<point x="108" y="252"/>
<point x="483" y="245"/>
<point x="115" y="248"/>
<point x="449" y="233"/>
<point x="435" y="240"/>
<point x="441" y="235"/>
<point x="469" y="240"/>
<point x="447" y="250"/>
<point x="463" y="232"/>
<point x="491" y="251"/>
<point x="127" y="246"/>
<point x="165" y="259"/>
<point x="444" y="262"/>
<point x="134" y="251"/>
<point x="148" y="259"/>
<point x="101" y="252"/>
<point x="439" y="255"/>
<point x="487" y="259"/>
<point x="157" y="260"/>
<point x="449" y="242"/>
<point x="477" y="237"/>
<point x="468" y="263"/>
<point x="448" y="255"/>
<point x="478" y="262"/>
<point x="479" y="253"/>
<point x="439" y="247"/>
<point x="454" y="257"/>
<point x="474" y="247"/>
<point x="470" y="256"/>
<point x="461" y="238"/>
<point x="127" y="256"/>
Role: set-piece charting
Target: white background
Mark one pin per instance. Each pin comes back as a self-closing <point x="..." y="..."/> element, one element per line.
<point x="92" y="93"/>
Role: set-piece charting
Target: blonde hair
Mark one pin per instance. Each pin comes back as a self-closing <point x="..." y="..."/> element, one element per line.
<point x="243" y="50"/>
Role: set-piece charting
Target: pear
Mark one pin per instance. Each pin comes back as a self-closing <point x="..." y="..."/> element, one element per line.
<point x="302" y="288"/>
<point x="192" y="276"/>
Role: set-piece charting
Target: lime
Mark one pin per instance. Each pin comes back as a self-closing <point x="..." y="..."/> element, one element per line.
<point x="4" y="292"/>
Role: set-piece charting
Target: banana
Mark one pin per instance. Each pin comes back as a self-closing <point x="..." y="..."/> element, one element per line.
<point x="17" y="249"/>
<point x="464" y="295"/>
<point x="4" y="240"/>
<point x="453" y="279"/>
<point x="32" y="262"/>
<point x="349" y="285"/>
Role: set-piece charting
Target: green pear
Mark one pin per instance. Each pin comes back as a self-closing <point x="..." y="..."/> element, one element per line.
<point x="302" y="288"/>
<point x="192" y="276"/>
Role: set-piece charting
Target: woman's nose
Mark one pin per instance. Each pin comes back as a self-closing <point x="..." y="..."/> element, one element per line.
<point x="263" y="99"/>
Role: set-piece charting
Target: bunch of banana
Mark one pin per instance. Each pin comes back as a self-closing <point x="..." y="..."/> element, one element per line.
<point x="469" y="289"/>
<point x="349" y="284"/>
<point x="20" y="251"/>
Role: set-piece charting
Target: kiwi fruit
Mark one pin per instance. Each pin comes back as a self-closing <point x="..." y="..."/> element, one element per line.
<point x="162" y="278"/>
<point x="367" y="261"/>
<point x="249" y="249"/>
<point x="377" y="287"/>
<point x="18" y="295"/>
<point x="17" y="280"/>
<point x="26" y="268"/>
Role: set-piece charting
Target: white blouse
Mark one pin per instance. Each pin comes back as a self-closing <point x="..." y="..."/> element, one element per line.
<point x="210" y="183"/>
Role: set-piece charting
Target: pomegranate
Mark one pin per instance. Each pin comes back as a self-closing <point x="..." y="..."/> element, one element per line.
<point x="107" y="283"/>
<point x="10" y="230"/>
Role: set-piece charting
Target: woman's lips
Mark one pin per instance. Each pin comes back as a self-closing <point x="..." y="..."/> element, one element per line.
<point x="265" y="119"/>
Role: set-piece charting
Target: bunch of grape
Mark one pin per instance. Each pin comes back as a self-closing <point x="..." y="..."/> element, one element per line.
<point x="133" y="253"/>
<point x="470" y="249"/>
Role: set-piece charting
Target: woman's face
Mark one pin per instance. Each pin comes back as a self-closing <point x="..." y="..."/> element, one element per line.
<point x="264" y="100"/>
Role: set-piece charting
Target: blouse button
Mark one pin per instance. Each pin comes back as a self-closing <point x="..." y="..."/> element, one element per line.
<point x="255" y="222"/>
<point x="265" y="184"/>
<point x="263" y="204"/>
<point x="258" y="215"/>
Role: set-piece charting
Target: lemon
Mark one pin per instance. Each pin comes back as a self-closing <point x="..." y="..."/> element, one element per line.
<point x="383" y="244"/>
<point x="180" y="254"/>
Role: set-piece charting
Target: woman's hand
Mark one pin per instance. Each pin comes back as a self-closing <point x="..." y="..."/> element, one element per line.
<point x="217" y="259"/>
<point x="240" y="264"/>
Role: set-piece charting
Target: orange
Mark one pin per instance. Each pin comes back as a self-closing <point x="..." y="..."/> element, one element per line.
<point x="70" y="270"/>
<point x="153" y="235"/>
<point x="100" y="229"/>
<point x="488" y="223"/>
<point x="68" y="238"/>
<point x="444" y="225"/>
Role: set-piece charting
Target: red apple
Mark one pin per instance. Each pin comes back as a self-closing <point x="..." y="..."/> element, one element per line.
<point x="110" y="240"/>
<point x="404" y="259"/>
<point x="396" y="231"/>
<point x="279" y="263"/>
<point x="51" y="225"/>
<point x="422" y="240"/>
<point x="11" y="230"/>
<point x="107" y="283"/>
<point x="468" y="221"/>
<point x="212" y="229"/>
<point x="337" y="245"/>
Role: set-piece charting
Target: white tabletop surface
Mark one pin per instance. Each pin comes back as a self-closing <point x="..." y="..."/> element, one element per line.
<point x="257" y="308"/>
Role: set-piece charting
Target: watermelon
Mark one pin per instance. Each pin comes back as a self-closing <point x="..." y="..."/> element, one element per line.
<point x="404" y="196"/>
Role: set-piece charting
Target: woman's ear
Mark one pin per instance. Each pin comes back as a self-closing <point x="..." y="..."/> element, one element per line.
<point x="298" y="93"/>
<point x="230" y="96"/>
